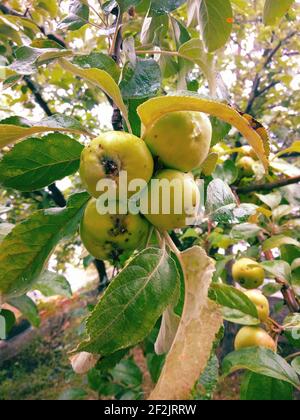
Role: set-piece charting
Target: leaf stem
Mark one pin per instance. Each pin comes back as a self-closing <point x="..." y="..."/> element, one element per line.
<point x="116" y="34"/>
<point x="171" y="245"/>
<point x="153" y="52"/>
<point x="292" y="356"/>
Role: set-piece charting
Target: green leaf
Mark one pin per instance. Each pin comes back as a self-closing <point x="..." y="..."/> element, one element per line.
<point x="257" y="387"/>
<point x="142" y="80"/>
<point x="53" y="284"/>
<point x="102" y="80"/>
<point x="9" y="32"/>
<point x="16" y="128"/>
<point x="159" y="7"/>
<point x="209" y="379"/>
<point x="290" y="253"/>
<point x="28" y="58"/>
<point x="261" y="361"/>
<point x="245" y="231"/>
<point x="107" y="363"/>
<point x="38" y="162"/>
<point x="275" y="10"/>
<point x="134" y="119"/>
<point x="237" y="317"/>
<point x="234" y="299"/>
<point x="216" y="19"/>
<point x="181" y="33"/>
<point x="292" y="329"/>
<point x="227" y="172"/>
<point x="219" y="195"/>
<point x="220" y="130"/>
<point x="271" y="289"/>
<point x="128" y="374"/>
<point x="272" y="200"/>
<point x="132" y="304"/>
<point x="279" y="269"/>
<point x="222" y="206"/>
<point x="28" y="308"/>
<point x="193" y="51"/>
<point x="281" y="212"/>
<point x="7" y="322"/>
<point x="5" y="229"/>
<point x="100" y="61"/>
<point x="277" y="241"/>
<point x="154" y="29"/>
<point x="24" y="252"/>
<point x="79" y="14"/>
<point x="296" y="364"/>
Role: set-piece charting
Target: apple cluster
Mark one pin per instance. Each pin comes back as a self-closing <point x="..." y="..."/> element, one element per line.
<point x="250" y="275"/>
<point x="176" y="144"/>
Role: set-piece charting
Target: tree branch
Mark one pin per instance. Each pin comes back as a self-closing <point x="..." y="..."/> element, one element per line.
<point x="57" y="196"/>
<point x="53" y="37"/>
<point x="268" y="186"/>
<point x="269" y="55"/>
<point x="117" y="121"/>
<point x="7" y="11"/>
<point x="286" y="290"/>
<point x="103" y="277"/>
<point x="38" y="96"/>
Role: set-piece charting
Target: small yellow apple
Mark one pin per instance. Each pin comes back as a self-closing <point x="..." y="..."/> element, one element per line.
<point x="254" y="337"/>
<point x="248" y="273"/>
<point x="261" y="303"/>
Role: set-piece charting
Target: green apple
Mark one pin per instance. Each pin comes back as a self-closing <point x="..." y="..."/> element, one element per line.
<point x="181" y="139"/>
<point x="174" y="205"/>
<point x="108" y="236"/>
<point x="111" y="153"/>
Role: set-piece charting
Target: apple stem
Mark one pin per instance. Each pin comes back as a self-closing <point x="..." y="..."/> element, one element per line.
<point x="161" y="240"/>
<point x="149" y="236"/>
<point x="171" y="245"/>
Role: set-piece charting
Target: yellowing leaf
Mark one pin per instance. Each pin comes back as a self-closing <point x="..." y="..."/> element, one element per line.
<point x="193" y="51"/>
<point x="5" y="73"/>
<point x="102" y="80"/>
<point x="277" y="241"/>
<point x="275" y="10"/>
<point x="10" y="133"/>
<point x="155" y="108"/>
<point x="209" y="165"/>
<point x="294" y="148"/>
<point x="199" y="325"/>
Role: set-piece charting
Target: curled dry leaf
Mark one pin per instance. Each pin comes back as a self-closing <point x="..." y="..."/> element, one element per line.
<point x="199" y="325"/>
<point x="83" y="362"/>
<point x="167" y="332"/>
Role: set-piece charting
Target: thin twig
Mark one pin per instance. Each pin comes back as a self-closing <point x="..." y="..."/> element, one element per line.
<point x="268" y="186"/>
